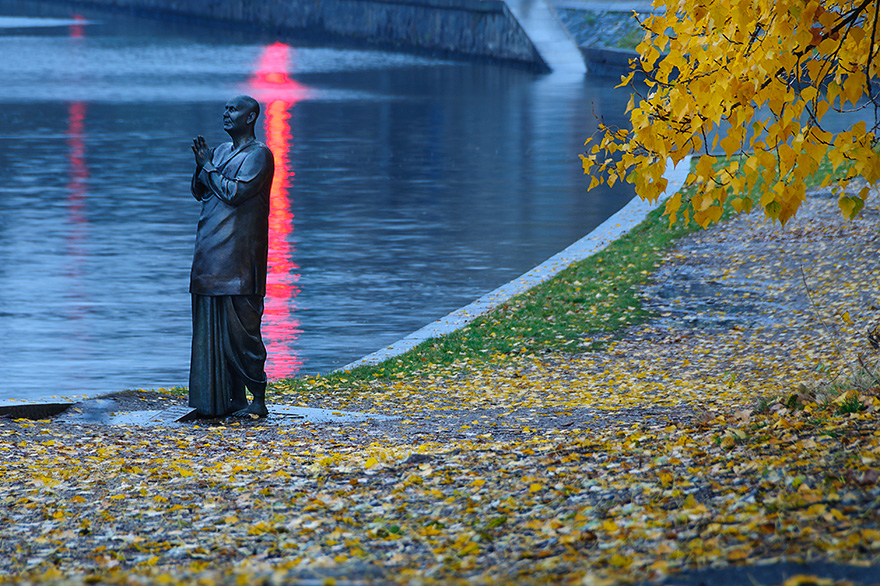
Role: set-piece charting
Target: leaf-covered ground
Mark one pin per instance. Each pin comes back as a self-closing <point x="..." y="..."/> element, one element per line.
<point x="736" y="432"/>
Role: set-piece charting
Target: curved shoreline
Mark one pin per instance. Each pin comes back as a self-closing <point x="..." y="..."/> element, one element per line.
<point x="599" y="238"/>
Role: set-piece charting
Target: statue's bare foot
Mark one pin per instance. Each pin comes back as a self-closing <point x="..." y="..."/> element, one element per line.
<point x="256" y="410"/>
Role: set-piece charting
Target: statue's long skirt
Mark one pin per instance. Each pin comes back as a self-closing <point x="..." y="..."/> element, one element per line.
<point x="227" y="353"/>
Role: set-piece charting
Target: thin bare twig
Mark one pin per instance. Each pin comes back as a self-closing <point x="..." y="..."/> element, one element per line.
<point x="832" y="335"/>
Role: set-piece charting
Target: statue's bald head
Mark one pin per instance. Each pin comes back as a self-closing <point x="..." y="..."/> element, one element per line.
<point x="249" y="104"/>
<point x="240" y="117"/>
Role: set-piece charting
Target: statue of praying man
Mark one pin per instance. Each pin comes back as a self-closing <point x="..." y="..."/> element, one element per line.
<point x="228" y="278"/>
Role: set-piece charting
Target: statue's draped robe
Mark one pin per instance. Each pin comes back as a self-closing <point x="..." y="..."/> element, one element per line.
<point x="228" y="278"/>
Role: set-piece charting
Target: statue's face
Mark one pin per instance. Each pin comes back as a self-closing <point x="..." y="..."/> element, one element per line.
<point x="235" y="116"/>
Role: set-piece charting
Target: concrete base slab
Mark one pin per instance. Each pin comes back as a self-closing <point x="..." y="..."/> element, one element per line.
<point x="279" y="415"/>
<point x="179" y="414"/>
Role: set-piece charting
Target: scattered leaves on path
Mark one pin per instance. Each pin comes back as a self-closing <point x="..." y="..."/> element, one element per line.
<point x="701" y="439"/>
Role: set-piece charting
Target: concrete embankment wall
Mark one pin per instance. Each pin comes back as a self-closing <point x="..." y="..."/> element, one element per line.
<point x="483" y="29"/>
<point x="608" y="62"/>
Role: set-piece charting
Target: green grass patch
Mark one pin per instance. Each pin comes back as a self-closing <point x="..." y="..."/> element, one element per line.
<point x="594" y="296"/>
<point x="580" y="309"/>
<point x="631" y="39"/>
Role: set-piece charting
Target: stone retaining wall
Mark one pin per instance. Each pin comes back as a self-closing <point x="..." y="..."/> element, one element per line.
<point x="607" y="62"/>
<point x="483" y="29"/>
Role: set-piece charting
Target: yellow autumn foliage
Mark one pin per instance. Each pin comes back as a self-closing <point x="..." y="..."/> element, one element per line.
<point x="760" y="81"/>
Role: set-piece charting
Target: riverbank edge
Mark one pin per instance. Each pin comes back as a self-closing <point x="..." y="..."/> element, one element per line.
<point x="619" y="224"/>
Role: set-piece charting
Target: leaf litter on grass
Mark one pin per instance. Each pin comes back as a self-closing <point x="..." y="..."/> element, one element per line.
<point x="722" y="433"/>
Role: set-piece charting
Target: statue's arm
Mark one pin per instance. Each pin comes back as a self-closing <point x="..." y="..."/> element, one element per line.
<point x="199" y="191"/>
<point x="257" y="168"/>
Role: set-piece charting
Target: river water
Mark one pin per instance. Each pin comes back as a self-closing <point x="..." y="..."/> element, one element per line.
<point x="405" y="187"/>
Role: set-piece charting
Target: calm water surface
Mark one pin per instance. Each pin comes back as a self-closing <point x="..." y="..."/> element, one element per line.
<point x="405" y="187"/>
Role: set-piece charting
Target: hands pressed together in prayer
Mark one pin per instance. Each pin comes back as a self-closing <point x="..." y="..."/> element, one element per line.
<point x="201" y="151"/>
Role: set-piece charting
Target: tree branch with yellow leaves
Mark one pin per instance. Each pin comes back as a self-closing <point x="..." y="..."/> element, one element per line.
<point x="759" y="77"/>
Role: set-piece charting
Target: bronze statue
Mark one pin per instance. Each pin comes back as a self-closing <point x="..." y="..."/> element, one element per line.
<point x="228" y="278"/>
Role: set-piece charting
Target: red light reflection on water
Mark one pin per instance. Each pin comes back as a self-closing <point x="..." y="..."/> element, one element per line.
<point x="79" y="172"/>
<point x="77" y="188"/>
<point x="77" y="30"/>
<point x="273" y="87"/>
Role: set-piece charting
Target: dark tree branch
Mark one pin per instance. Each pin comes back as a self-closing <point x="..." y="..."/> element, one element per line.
<point x="868" y="67"/>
